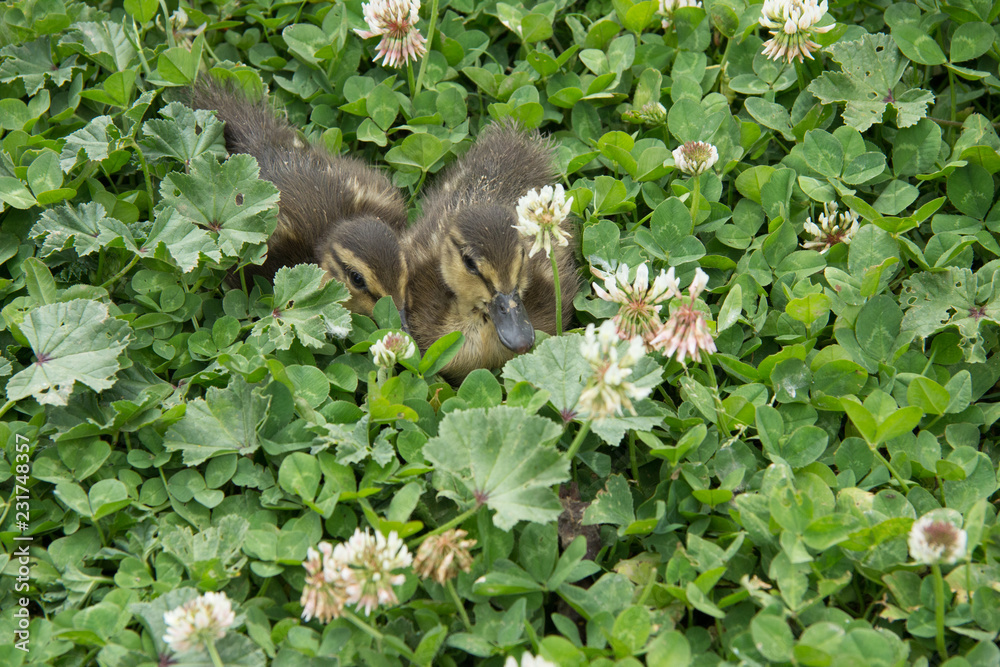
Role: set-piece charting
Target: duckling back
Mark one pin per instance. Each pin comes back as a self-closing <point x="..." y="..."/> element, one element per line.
<point x="505" y="162"/>
<point x="335" y="211"/>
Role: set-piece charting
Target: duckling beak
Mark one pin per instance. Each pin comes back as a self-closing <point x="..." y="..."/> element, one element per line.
<point x="402" y="319"/>
<point x="512" y="322"/>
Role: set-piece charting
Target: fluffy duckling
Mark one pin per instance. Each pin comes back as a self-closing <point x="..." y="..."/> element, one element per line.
<point x="469" y="267"/>
<point x="334" y="211"/>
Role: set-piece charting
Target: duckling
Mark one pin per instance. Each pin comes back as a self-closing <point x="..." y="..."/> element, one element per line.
<point x="469" y="267"/>
<point x="335" y="211"/>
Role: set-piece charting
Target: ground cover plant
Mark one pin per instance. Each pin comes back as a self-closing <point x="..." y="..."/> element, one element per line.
<point x="777" y="443"/>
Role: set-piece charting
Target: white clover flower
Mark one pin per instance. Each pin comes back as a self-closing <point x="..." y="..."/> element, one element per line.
<point x="638" y="314"/>
<point x="202" y="620"/>
<point x="440" y="557"/>
<point x="540" y="215"/>
<point x="370" y="562"/>
<point x="392" y="347"/>
<point x="832" y="229"/>
<point x="685" y="334"/>
<point x="792" y="24"/>
<point x="358" y="572"/>
<point x="608" y="391"/>
<point x="651" y="113"/>
<point x="668" y="7"/>
<point x="935" y="539"/>
<point x="324" y="594"/>
<point x="395" y="21"/>
<point x="695" y="157"/>
<point x="528" y="660"/>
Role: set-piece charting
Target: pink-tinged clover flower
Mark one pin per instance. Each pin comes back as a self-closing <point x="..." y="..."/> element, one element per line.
<point x="792" y="24"/>
<point x="440" y="557"/>
<point x="360" y="572"/>
<point x="685" y="334"/>
<point x="324" y="594"/>
<point x="639" y="310"/>
<point x="391" y="348"/>
<point x="396" y="22"/>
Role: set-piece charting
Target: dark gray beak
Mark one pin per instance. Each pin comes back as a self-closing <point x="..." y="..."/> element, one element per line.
<point x="402" y="319"/>
<point x="512" y="322"/>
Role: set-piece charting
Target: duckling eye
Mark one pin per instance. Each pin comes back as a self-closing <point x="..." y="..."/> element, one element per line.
<point x="357" y="279"/>
<point x="470" y="264"/>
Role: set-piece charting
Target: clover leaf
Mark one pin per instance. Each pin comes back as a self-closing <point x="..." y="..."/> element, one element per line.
<point x="76" y="341"/>
<point x="503" y="458"/>
<point x="869" y="82"/>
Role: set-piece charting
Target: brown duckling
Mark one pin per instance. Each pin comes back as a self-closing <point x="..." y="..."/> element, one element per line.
<point x="469" y="268"/>
<point x="334" y="211"/>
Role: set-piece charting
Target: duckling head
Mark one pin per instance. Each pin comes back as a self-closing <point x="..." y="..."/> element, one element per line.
<point x="365" y="255"/>
<point x="485" y="265"/>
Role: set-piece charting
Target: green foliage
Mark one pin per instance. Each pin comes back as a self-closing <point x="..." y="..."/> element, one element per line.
<point x="175" y="424"/>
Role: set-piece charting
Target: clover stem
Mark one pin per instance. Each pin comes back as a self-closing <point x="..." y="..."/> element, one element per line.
<point x="100" y="264"/>
<point x="555" y="283"/>
<point x="578" y="440"/>
<point x="416" y="188"/>
<point x="145" y="174"/>
<point x="715" y="392"/>
<point x="939" y="610"/>
<point x="379" y="637"/>
<point x="458" y="520"/>
<point x="800" y="75"/>
<point x="113" y="279"/>
<point x="632" y="455"/>
<point x="695" y="196"/>
<point x="409" y="78"/>
<point x="214" y="653"/>
<point x="450" y="586"/>
<point x="892" y="471"/>
<point x="167" y="27"/>
<point x="430" y="44"/>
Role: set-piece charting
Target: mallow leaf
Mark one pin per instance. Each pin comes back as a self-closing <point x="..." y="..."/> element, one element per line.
<point x="936" y="301"/>
<point x="869" y="82"/>
<point x="556" y="366"/>
<point x="95" y="140"/>
<point x="32" y="63"/>
<point x="304" y="308"/>
<point x="105" y="43"/>
<point x="224" y="422"/>
<point x="85" y="228"/>
<point x="76" y="341"/>
<point x="177" y="240"/>
<point x="228" y="199"/>
<point x="184" y="134"/>
<point x="503" y="458"/>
